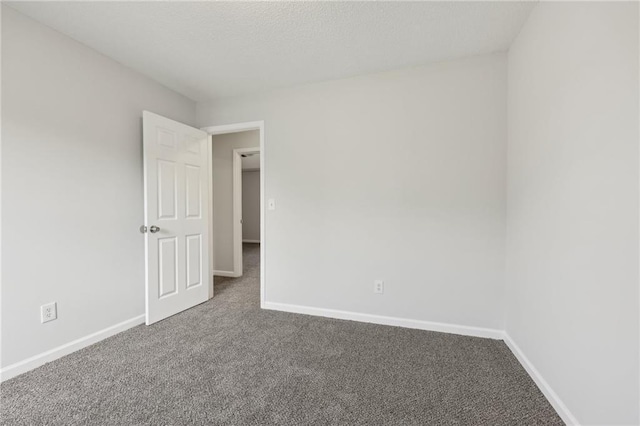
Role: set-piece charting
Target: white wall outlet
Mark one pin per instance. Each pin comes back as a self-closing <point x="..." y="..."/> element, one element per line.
<point x="271" y="204"/>
<point x="378" y="286"/>
<point x="48" y="312"/>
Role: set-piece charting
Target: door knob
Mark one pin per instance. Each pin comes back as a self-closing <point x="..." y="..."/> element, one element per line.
<point x="153" y="229"/>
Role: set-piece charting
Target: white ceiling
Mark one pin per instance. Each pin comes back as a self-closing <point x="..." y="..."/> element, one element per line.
<point x="206" y="50"/>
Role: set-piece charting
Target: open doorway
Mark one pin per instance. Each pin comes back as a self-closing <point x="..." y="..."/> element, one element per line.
<point x="246" y="206"/>
<point x="237" y="204"/>
<point x="250" y="196"/>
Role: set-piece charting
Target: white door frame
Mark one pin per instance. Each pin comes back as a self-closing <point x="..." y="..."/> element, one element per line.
<point x="237" y="212"/>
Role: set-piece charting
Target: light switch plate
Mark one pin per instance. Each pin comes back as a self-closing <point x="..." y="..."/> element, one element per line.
<point x="271" y="204"/>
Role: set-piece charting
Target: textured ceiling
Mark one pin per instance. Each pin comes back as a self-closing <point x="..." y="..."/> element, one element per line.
<point x="206" y="50"/>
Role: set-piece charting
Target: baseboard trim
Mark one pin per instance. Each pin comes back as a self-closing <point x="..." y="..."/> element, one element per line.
<point x="385" y="320"/>
<point x="28" y="364"/>
<point x="230" y="274"/>
<point x="251" y="241"/>
<point x="542" y="384"/>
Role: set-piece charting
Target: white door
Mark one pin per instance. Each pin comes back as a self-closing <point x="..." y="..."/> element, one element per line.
<point x="176" y="211"/>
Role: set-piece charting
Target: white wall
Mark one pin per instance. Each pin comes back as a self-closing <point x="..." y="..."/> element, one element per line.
<point x="223" y="146"/>
<point x="572" y="304"/>
<point x="251" y="205"/>
<point x="407" y="185"/>
<point x="72" y="186"/>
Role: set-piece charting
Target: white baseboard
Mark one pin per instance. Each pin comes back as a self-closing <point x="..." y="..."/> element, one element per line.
<point x="230" y="274"/>
<point x="251" y="241"/>
<point x="545" y="388"/>
<point x="384" y="320"/>
<point x="20" y="367"/>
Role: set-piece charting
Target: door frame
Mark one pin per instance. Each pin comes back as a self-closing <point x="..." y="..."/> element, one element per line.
<point x="221" y="130"/>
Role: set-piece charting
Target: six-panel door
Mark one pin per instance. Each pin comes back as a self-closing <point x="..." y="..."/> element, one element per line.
<point x="176" y="207"/>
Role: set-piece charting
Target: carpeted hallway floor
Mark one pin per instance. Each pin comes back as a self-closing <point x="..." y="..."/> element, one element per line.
<point x="228" y="362"/>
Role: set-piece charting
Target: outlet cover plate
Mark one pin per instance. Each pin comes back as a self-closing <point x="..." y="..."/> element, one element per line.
<point x="48" y="312"/>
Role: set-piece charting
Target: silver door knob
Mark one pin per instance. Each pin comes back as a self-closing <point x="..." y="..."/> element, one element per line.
<point x="153" y="229"/>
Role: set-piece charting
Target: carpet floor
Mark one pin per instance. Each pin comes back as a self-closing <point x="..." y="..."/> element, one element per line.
<point x="227" y="362"/>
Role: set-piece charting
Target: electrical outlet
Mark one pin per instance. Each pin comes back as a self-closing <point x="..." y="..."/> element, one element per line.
<point x="378" y="286"/>
<point x="48" y="312"/>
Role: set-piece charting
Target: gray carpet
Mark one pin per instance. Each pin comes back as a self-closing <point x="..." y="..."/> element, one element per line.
<point x="228" y="362"/>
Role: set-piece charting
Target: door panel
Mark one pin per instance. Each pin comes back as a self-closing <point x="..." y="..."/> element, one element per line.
<point x="167" y="188"/>
<point x="167" y="266"/>
<point x="194" y="260"/>
<point x="194" y="194"/>
<point x="176" y="215"/>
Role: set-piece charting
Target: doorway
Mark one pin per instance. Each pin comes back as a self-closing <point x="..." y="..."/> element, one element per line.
<point x="236" y="150"/>
<point x="246" y="203"/>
